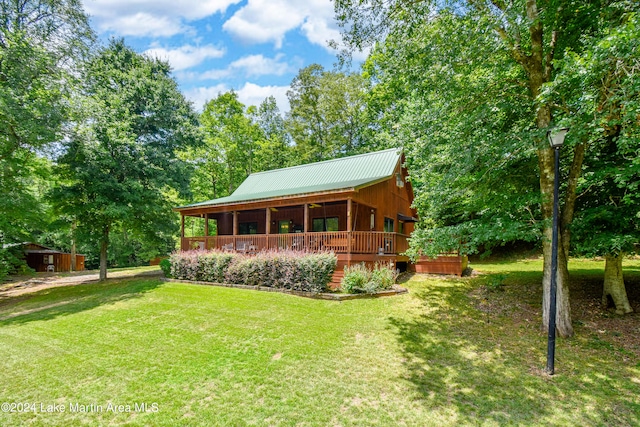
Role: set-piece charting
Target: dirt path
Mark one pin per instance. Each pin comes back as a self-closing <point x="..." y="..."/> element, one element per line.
<point x="26" y="285"/>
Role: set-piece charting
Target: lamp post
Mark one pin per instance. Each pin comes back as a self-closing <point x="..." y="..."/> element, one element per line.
<point x="556" y="139"/>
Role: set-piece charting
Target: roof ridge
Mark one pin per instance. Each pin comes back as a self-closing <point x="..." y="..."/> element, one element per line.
<point x="325" y="161"/>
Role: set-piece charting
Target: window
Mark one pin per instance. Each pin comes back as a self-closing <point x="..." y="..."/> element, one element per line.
<point x="388" y="225"/>
<point x="401" y="227"/>
<point x="48" y="259"/>
<point x="248" y="228"/>
<point x="326" y="224"/>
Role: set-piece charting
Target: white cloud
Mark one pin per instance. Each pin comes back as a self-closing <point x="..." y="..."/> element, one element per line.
<point x="160" y="18"/>
<point x="319" y="31"/>
<point x="251" y="66"/>
<point x="143" y="24"/>
<point x="249" y="94"/>
<point x="252" y="94"/>
<point x="185" y="56"/>
<point x="259" y="65"/>
<point x="263" y="21"/>
<point x="201" y="95"/>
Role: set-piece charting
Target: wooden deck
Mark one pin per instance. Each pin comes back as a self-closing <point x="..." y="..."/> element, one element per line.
<point x="340" y="242"/>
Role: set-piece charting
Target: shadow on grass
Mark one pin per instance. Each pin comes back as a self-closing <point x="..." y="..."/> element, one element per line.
<point x="60" y="301"/>
<point x="485" y="368"/>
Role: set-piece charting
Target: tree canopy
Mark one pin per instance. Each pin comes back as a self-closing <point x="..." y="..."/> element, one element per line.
<point x="120" y="163"/>
<point x="466" y="80"/>
<point x="42" y="44"/>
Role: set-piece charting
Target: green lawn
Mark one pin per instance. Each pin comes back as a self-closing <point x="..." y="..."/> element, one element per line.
<point x="448" y="353"/>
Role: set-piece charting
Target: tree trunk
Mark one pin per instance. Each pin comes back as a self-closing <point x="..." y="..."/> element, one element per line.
<point x="73" y="246"/>
<point x="563" y="307"/>
<point x="104" y="243"/>
<point x="614" y="285"/>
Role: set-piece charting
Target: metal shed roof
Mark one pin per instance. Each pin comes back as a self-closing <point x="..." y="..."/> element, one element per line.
<point x="337" y="174"/>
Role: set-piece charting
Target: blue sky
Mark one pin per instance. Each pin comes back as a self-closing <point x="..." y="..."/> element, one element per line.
<point x="255" y="47"/>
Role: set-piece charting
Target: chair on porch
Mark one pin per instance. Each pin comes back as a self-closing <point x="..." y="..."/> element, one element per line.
<point x="244" y="246"/>
<point x="227" y="247"/>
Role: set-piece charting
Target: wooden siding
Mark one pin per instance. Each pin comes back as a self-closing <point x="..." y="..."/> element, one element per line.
<point x="443" y="264"/>
<point x="61" y="261"/>
<point x="388" y="200"/>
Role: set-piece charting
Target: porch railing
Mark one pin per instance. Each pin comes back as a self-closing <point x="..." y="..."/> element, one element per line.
<point x="353" y="242"/>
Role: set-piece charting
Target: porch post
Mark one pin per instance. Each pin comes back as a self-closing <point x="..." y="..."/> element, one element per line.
<point x="206" y="225"/>
<point x="182" y="232"/>
<point x="306" y="217"/>
<point x="349" y="224"/>
<point x="267" y="230"/>
<point x="235" y="223"/>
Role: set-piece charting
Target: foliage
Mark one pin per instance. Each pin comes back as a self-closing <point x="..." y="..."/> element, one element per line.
<point x="227" y="156"/>
<point x="495" y="282"/>
<point x="42" y="44"/>
<point x="273" y="149"/>
<point x="461" y="83"/>
<point x="120" y="164"/>
<point x="165" y="266"/>
<point x="600" y="101"/>
<point x="359" y="278"/>
<point x="327" y="118"/>
<point x="285" y="269"/>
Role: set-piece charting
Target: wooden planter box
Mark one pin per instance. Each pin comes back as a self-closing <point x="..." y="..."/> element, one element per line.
<point x="443" y="264"/>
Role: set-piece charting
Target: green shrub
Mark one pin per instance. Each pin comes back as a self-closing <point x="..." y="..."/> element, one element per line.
<point x="286" y="269"/>
<point x="361" y="279"/>
<point x="495" y="282"/>
<point x="165" y="266"/>
<point x="384" y="276"/>
<point x="355" y="279"/>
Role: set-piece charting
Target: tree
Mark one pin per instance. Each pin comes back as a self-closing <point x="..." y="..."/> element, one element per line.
<point x="528" y="37"/>
<point x="326" y="119"/>
<point x="120" y="164"/>
<point x="41" y="43"/>
<point x="274" y="150"/>
<point x="305" y="121"/>
<point x="600" y="91"/>
<point x="230" y="143"/>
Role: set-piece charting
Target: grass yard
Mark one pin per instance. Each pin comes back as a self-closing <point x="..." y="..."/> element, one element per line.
<point x="451" y="352"/>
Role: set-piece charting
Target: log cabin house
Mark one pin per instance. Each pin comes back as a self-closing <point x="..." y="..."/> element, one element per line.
<point x="358" y="207"/>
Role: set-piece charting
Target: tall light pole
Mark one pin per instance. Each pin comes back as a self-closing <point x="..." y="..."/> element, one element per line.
<point x="556" y="139"/>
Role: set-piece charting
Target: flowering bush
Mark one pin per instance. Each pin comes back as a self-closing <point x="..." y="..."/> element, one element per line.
<point x="360" y="279"/>
<point x="289" y="269"/>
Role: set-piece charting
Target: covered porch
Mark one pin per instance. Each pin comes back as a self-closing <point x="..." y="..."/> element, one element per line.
<point x="343" y="226"/>
<point x="347" y="242"/>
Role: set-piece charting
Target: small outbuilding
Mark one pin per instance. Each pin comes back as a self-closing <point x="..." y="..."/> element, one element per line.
<point x="43" y="259"/>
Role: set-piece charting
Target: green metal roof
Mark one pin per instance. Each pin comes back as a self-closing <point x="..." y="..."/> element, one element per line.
<point x="337" y="174"/>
